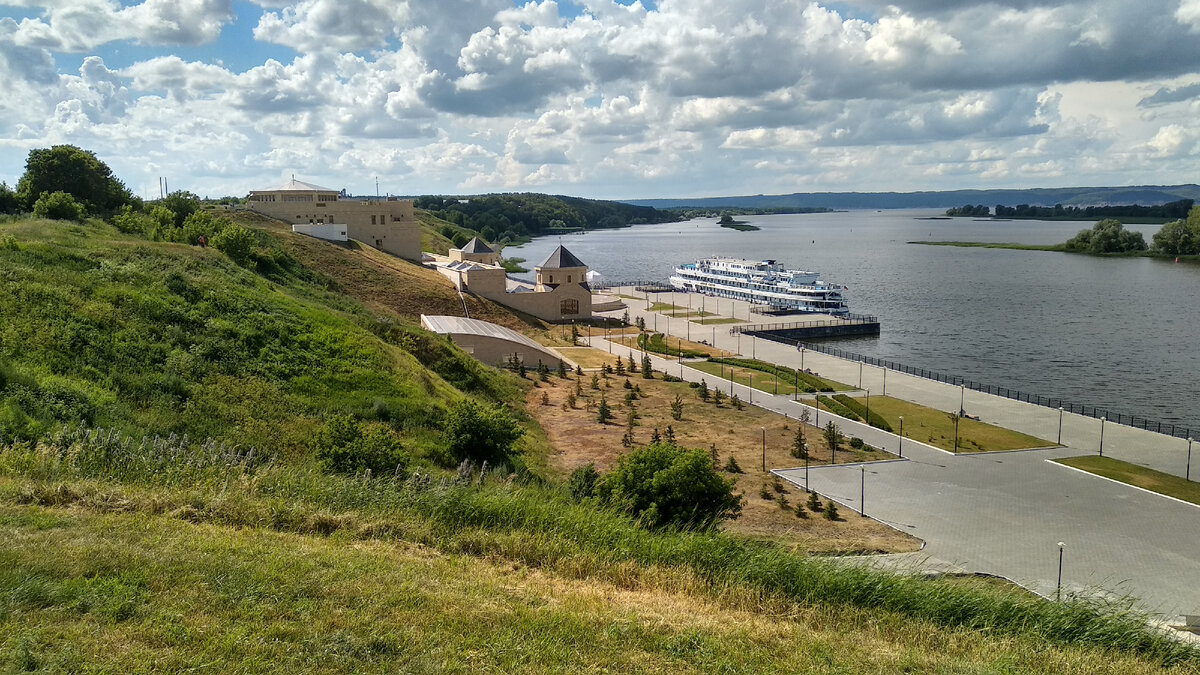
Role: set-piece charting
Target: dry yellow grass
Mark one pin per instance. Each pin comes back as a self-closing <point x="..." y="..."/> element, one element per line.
<point x="578" y="439"/>
<point x="385" y="283"/>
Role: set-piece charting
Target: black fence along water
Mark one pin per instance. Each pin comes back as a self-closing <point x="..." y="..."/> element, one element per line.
<point x="1097" y="412"/>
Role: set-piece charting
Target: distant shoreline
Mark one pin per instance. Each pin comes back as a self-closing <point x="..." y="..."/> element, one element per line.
<point x="1055" y="248"/>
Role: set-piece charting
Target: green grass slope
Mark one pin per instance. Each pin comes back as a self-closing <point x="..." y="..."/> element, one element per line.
<point x="153" y="338"/>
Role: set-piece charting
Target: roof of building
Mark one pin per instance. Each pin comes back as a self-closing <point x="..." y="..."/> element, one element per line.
<point x="458" y="325"/>
<point x="294" y="185"/>
<point x="476" y="246"/>
<point x="561" y="258"/>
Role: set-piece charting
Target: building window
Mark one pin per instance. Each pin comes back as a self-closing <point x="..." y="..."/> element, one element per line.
<point x="551" y="279"/>
<point x="568" y="278"/>
<point x="372" y="220"/>
<point x="569" y="306"/>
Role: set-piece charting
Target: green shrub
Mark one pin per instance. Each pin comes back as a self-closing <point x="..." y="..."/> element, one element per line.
<point x="8" y="199"/>
<point x="130" y="221"/>
<point x="58" y="206"/>
<point x="814" y="502"/>
<point x="478" y="433"/>
<point x="856" y="442"/>
<point x="236" y="242"/>
<point x="582" y="483"/>
<point x="732" y="466"/>
<point x="345" y="445"/>
<point x="201" y="224"/>
<point x="8" y="243"/>
<point x="837" y="408"/>
<point x="661" y="484"/>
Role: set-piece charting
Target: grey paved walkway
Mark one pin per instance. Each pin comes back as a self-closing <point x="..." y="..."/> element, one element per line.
<point x="999" y="513"/>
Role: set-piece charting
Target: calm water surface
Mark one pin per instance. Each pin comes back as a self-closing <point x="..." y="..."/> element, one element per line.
<point x="1119" y="333"/>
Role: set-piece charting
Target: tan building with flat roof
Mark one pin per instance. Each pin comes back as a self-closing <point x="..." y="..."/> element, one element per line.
<point x="386" y="224"/>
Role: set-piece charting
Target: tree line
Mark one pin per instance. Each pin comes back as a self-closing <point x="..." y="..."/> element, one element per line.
<point x="1175" y="209"/>
<point x="512" y="217"/>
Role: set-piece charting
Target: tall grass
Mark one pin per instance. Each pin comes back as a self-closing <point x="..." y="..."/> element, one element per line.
<point x="540" y="525"/>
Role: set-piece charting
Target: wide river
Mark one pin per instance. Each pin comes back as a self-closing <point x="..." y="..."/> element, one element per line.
<point x="1118" y="333"/>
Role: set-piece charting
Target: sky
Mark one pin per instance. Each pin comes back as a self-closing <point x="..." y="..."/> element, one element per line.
<point x="607" y="99"/>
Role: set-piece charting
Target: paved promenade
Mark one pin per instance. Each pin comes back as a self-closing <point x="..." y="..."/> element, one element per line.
<point x="998" y="513"/>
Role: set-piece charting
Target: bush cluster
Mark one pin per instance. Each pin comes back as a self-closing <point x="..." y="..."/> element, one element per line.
<point x="664" y="485"/>
<point x="345" y="445"/>
<point x="480" y="433"/>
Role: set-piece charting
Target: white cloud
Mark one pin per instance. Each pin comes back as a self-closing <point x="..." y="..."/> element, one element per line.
<point x="659" y="98"/>
<point x="82" y="25"/>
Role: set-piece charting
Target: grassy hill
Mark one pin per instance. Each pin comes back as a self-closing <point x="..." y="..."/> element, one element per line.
<point x="155" y="338"/>
<point x="173" y="554"/>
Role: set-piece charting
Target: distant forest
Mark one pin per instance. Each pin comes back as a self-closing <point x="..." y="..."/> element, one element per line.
<point x="1169" y="211"/>
<point x="508" y="218"/>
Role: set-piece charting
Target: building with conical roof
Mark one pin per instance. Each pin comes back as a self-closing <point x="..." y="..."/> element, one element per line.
<point x="560" y="267"/>
<point x="475" y="251"/>
<point x="561" y="292"/>
<point x="386" y="224"/>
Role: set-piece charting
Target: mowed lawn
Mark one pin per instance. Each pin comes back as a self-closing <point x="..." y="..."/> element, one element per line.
<point x="1139" y="476"/>
<point x="936" y="428"/>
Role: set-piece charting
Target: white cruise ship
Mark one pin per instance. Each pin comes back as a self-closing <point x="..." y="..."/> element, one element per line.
<point x="762" y="282"/>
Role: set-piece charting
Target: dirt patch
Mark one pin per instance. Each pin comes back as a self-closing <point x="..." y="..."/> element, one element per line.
<point x="578" y="438"/>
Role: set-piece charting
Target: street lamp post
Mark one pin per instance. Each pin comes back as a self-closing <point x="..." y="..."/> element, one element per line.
<point x="1058" y="590"/>
<point x="802" y="358"/>
<point x="1102" y="420"/>
<point x="1060" y="414"/>
<point x="860" y="374"/>
<point x="956" y="418"/>
<point x="764" y="449"/>
<point x="885" y="381"/>
<point x="868" y="420"/>
<point x="962" y="398"/>
<point x="862" y="499"/>
<point x="1187" y="474"/>
<point x="902" y="436"/>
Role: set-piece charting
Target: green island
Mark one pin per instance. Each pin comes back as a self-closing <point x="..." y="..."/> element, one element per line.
<point x="1176" y="239"/>
<point x="227" y="446"/>
<point x="1138" y="476"/>
<point x="739" y="225"/>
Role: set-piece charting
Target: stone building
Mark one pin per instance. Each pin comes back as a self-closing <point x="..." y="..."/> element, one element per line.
<point x="561" y="291"/>
<point x="386" y="224"/>
<point x="475" y="251"/>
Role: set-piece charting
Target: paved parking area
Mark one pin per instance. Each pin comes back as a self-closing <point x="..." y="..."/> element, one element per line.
<point x="1002" y="513"/>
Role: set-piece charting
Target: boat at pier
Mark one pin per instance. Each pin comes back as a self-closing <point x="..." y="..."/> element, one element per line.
<point x="762" y="282"/>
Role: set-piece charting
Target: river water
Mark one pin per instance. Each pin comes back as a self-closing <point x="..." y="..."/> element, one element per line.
<point x="1116" y="333"/>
